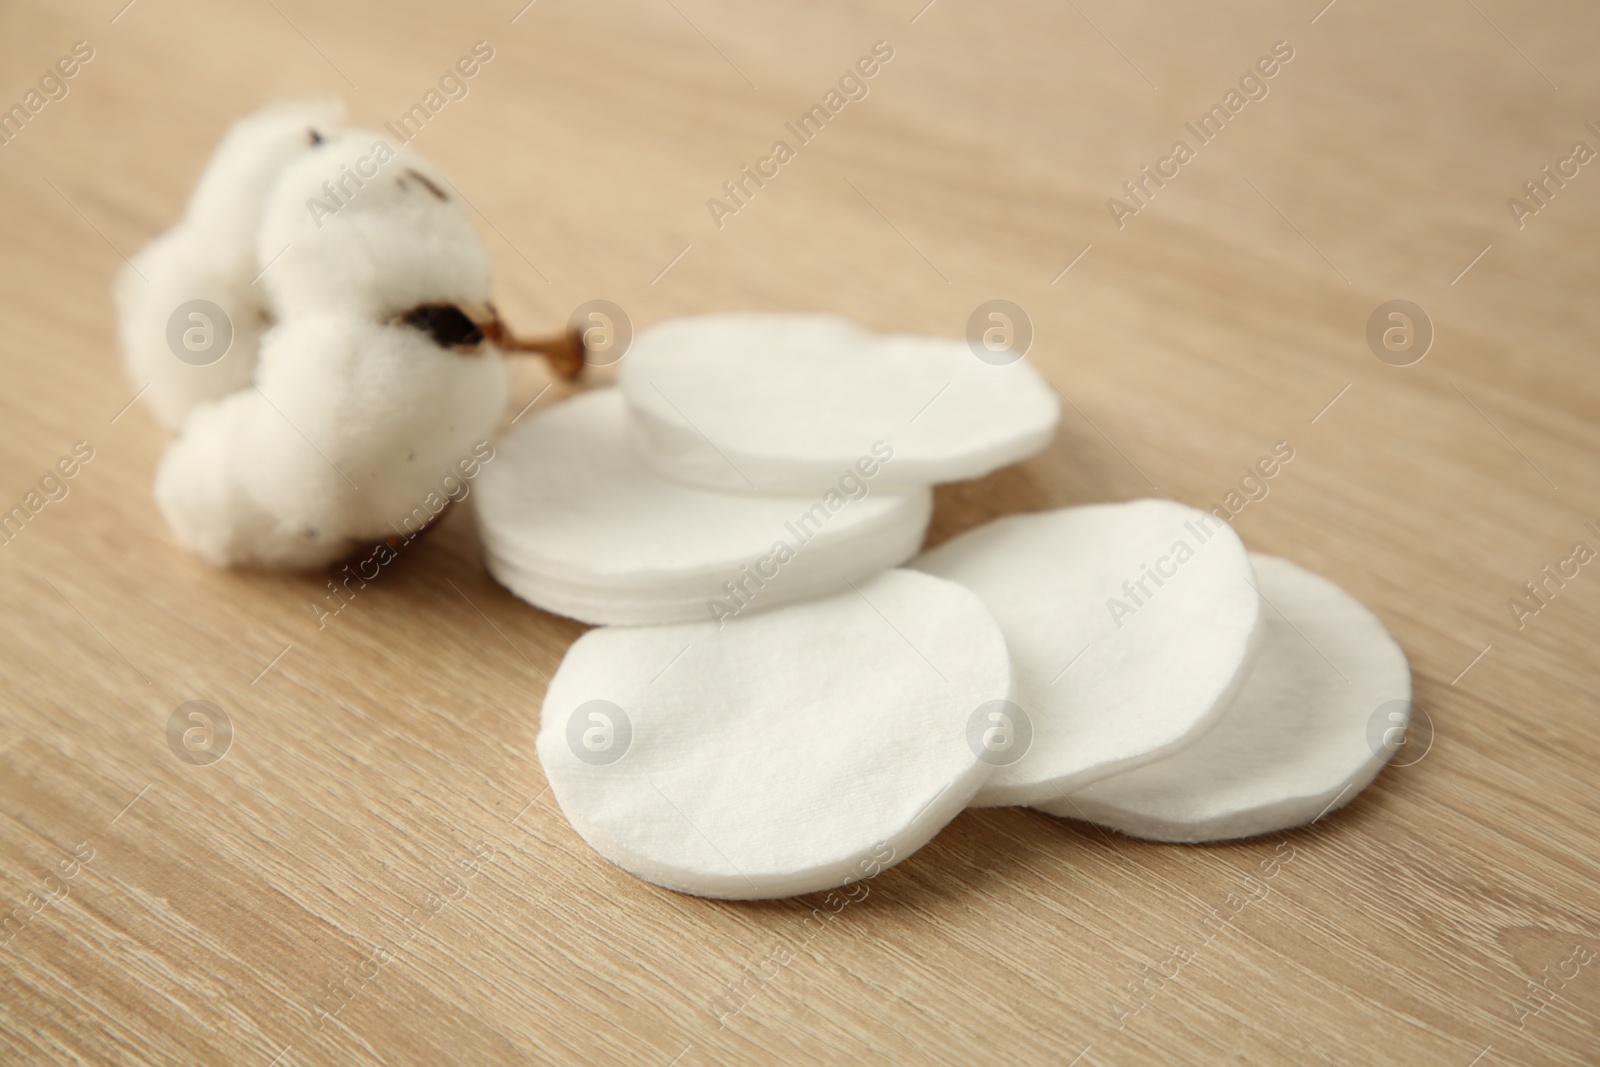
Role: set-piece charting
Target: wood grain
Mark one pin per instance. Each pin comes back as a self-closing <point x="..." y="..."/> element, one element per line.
<point x="381" y="791"/>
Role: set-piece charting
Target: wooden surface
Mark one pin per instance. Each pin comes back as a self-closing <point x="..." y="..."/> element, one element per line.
<point x="211" y="908"/>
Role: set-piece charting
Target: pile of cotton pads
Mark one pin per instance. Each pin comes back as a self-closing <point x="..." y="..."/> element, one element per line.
<point x="776" y="723"/>
<point x="747" y="461"/>
<point x="773" y="705"/>
<point x="1177" y="688"/>
<point x="317" y="331"/>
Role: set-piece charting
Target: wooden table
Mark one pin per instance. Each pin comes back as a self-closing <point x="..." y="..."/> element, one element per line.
<point x="1448" y="916"/>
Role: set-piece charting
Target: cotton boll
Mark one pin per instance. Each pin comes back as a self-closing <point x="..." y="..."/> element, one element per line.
<point x="369" y="230"/>
<point x="392" y="411"/>
<point x="231" y="196"/>
<point x="210" y="509"/>
<point x="178" y="268"/>
<point x="210" y="255"/>
<point x="346" y="436"/>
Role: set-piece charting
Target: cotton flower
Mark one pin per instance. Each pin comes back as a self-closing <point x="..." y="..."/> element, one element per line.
<point x="211" y="255"/>
<point x="349" y="425"/>
<point x="365" y="228"/>
<point x="378" y="377"/>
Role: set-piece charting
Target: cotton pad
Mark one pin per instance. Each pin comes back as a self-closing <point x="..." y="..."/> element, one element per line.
<point x="573" y="521"/>
<point x="176" y="349"/>
<point x="1131" y="627"/>
<point x="788" y="751"/>
<point x="782" y="403"/>
<point x="1320" y="715"/>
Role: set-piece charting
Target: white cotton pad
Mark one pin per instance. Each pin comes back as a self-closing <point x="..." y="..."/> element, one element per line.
<point x="780" y="403"/>
<point x="573" y="521"/>
<point x="210" y="255"/>
<point x="1131" y="627"/>
<point x="1320" y="715"/>
<point x="788" y="751"/>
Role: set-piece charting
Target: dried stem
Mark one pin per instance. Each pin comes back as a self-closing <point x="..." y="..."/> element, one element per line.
<point x="564" y="352"/>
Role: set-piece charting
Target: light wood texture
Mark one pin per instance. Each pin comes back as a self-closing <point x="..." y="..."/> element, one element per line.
<point x="374" y="755"/>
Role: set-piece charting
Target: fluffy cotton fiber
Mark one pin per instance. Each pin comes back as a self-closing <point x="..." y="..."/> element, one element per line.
<point x="349" y="427"/>
<point x="368" y="229"/>
<point x="351" y="419"/>
<point x="211" y="255"/>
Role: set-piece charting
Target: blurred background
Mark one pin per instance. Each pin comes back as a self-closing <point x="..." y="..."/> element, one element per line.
<point x="1192" y="321"/>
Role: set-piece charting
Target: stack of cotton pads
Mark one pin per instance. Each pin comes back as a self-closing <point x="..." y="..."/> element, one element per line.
<point x="746" y="461"/>
<point x="1130" y="664"/>
<point x="1325" y="707"/>
<point x="1131" y="626"/>
<point x="1173" y="686"/>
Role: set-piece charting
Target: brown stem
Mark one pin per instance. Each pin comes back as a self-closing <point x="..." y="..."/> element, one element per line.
<point x="466" y="325"/>
<point x="564" y="352"/>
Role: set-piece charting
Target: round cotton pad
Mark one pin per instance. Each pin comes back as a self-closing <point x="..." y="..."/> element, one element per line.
<point x="1131" y="627"/>
<point x="1320" y="715"/>
<point x="575" y="523"/>
<point x="782" y="403"/>
<point x="786" y="752"/>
